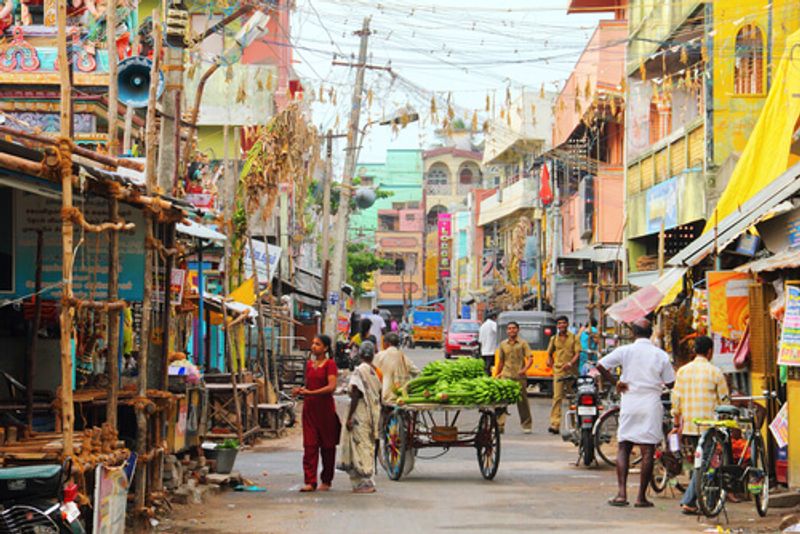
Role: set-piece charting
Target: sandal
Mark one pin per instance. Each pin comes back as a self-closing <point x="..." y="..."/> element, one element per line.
<point x="688" y="510"/>
<point x="308" y="488"/>
<point x="645" y="504"/>
<point x="618" y="502"/>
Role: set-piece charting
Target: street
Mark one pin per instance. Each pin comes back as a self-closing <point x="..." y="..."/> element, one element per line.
<point x="537" y="488"/>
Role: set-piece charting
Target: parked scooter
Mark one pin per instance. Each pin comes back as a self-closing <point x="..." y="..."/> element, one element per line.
<point x="39" y="499"/>
<point x="579" y="418"/>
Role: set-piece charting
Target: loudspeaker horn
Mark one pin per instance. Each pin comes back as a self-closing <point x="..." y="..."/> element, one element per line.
<point x="133" y="80"/>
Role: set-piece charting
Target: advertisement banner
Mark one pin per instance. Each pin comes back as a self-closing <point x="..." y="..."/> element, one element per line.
<point x="110" y="499"/>
<point x="728" y="303"/>
<point x="780" y="427"/>
<point x="789" y="349"/>
<point x="445" y="226"/>
<point x="176" y="284"/>
<point x="90" y="271"/>
<point x="267" y="259"/>
<point x="662" y="206"/>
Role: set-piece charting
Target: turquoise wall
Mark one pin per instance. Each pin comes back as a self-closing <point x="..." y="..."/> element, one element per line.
<point x="401" y="174"/>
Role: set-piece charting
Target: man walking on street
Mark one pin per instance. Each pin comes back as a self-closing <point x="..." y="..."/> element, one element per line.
<point x="378" y="327"/>
<point x="487" y="338"/>
<point x="700" y="387"/>
<point x="396" y="367"/>
<point x="562" y="356"/>
<point x="514" y="360"/>
<point x="646" y="369"/>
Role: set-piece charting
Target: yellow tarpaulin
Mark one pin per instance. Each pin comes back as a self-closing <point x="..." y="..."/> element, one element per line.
<point x="245" y="293"/>
<point x="767" y="153"/>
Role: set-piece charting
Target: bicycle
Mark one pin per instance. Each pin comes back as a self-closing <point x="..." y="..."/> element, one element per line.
<point x="719" y="472"/>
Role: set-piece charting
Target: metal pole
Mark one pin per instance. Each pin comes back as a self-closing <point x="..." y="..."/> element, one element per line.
<point x="340" y="235"/>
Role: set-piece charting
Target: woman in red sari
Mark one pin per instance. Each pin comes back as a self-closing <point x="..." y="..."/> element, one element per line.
<point x="321" y="426"/>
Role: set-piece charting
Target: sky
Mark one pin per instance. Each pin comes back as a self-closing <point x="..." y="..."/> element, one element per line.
<point x="456" y="52"/>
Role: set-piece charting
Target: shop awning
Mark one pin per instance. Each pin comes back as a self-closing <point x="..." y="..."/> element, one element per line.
<point x="596" y="254"/>
<point x="199" y="231"/>
<point x="645" y="300"/>
<point x="788" y="258"/>
<point x="757" y="208"/>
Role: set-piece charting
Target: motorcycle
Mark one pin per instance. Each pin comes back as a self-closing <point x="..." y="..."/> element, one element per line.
<point x="581" y="415"/>
<point x="39" y="499"/>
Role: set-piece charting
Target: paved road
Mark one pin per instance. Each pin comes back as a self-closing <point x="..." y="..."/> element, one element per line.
<point x="537" y="488"/>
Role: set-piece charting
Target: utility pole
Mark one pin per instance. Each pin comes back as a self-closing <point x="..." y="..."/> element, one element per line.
<point x="168" y="144"/>
<point x="326" y="209"/>
<point x="340" y="235"/>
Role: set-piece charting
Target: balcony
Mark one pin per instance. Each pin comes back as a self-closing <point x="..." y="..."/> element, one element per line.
<point x="602" y="66"/>
<point x="652" y="23"/>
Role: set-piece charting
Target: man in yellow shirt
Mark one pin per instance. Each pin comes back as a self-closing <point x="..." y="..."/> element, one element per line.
<point x="562" y="356"/>
<point x="514" y="360"/>
<point x="700" y="387"/>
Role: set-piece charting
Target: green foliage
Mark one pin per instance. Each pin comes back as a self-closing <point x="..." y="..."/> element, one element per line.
<point x="361" y="263"/>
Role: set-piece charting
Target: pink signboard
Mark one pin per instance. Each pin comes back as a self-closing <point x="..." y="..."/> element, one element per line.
<point x="445" y="244"/>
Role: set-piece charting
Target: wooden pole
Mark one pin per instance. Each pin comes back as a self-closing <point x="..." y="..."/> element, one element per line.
<point x="262" y="345"/>
<point x="30" y="370"/>
<point x="113" y="103"/>
<point x="65" y="153"/>
<point x="149" y="255"/>
<point x="112" y="359"/>
<point x="234" y="382"/>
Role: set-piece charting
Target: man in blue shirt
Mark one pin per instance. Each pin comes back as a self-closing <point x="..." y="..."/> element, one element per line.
<point x="588" y="340"/>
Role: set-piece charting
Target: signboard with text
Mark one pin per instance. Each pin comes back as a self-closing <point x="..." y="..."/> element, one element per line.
<point x="445" y="226"/>
<point x="267" y="259"/>
<point x="789" y="349"/>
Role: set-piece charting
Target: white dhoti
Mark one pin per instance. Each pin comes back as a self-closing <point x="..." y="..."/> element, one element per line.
<point x="641" y="417"/>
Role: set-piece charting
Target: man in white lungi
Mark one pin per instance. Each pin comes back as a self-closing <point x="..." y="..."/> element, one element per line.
<point x="646" y="369"/>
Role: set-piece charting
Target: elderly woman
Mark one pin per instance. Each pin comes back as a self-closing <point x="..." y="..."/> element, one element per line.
<point x="357" y="457"/>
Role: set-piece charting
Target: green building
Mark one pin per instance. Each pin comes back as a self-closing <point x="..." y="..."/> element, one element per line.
<point x="401" y="175"/>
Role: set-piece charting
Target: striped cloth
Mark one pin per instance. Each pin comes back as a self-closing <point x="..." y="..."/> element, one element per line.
<point x="699" y="388"/>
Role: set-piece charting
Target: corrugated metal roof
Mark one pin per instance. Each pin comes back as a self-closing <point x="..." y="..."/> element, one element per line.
<point x="788" y="258"/>
<point x="754" y="210"/>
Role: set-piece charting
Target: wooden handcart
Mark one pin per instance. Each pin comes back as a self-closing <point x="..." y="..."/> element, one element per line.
<point x="412" y="427"/>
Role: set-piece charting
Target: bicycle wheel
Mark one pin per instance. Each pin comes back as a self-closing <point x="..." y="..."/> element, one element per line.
<point x="758" y="479"/>
<point x="661" y="476"/>
<point x="394" y="445"/>
<point x="605" y="436"/>
<point x="487" y="444"/>
<point x="710" y="488"/>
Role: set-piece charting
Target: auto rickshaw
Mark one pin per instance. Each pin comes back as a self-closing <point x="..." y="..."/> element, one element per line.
<point x="535" y="327"/>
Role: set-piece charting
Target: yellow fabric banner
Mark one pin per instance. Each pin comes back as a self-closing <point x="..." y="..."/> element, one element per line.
<point x="766" y="154"/>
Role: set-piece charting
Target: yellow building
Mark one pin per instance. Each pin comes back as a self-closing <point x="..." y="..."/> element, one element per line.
<point x="697" y="76"/>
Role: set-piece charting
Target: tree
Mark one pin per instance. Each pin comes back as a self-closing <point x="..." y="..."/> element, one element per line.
<point x="361" y="263"/>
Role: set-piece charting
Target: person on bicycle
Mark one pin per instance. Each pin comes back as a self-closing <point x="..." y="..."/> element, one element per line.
<point x="646" y="369"/>
<point x="700" y="387"/>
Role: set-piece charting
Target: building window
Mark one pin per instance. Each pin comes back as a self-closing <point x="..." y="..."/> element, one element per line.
<point x="437" y="176"/>
<point x="748" y="77"/>
<point x="465" y="177"/>
<point x="367" y="181"/>
<point x="660" y="118"/>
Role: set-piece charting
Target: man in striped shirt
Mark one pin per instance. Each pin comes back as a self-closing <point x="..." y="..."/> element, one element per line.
<point x="700" y="387"/>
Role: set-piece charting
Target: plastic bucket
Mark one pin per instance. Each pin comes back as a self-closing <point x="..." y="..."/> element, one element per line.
<point x="225" y="458"/>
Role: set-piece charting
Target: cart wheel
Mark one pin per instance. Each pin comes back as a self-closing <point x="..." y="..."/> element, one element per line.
<point x="487" y="443"/>
<point x="394" y="445"/>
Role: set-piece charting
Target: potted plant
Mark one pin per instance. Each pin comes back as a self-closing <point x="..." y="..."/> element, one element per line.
<point x="223" y="453"/>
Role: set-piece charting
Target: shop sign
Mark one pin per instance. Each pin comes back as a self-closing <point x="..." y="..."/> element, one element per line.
<point x="267" y="258"/>
<point x="445" y="227"/>
<point x="780" y="427"/>
<point x="728" y="303"/>
<point x="661" y="204"/>
<point x="176" y="283"/>
<point x="789" y="349"/>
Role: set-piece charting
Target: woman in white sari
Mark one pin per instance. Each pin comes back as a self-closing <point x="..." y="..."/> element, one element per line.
<point x="359" y="434"/>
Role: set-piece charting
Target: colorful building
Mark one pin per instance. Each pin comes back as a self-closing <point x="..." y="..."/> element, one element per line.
<point x="399" y="239"/>
<point x="401" y="176"/>
<point x="698" y="74"/>
<point x="587" y="161"/>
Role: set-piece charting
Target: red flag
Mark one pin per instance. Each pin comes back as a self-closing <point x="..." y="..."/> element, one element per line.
<point x="545" y="193"/>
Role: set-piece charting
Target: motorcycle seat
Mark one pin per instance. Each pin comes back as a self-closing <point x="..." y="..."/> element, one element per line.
<point x="30" y="472"/>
